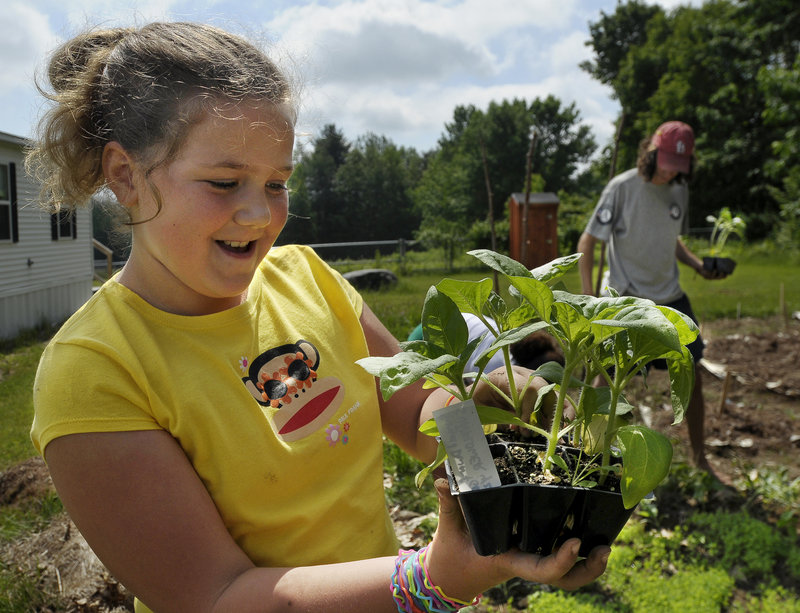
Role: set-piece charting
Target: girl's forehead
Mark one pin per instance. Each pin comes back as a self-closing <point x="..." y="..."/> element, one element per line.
<point x="240" y="128"/>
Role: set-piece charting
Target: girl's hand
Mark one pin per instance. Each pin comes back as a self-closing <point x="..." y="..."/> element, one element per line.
<point x="461" y="573"/>
<point x="485" y="394"/>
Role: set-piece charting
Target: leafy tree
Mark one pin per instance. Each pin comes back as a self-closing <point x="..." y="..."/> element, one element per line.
<point x="374" y="189"/>
<point x="314" y="200"/>
<point x="781" y="87"/>
<point x="443" y="210"/>
<point x="613" y="37"/>
<point x="701" y="65"/>
<point x="504" y="130"/>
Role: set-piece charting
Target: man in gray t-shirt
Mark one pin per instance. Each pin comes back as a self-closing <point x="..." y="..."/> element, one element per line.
<point x="641" y="215"/>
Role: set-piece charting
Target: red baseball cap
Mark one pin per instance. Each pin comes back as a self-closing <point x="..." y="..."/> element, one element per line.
<point x="675" y="143"/>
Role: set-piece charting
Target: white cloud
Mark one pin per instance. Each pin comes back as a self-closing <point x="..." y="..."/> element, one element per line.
<point x="392" y="67"/>
<point x="27" y="36"/>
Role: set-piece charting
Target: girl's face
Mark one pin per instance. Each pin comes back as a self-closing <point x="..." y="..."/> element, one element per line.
<point x="224" y="202"/>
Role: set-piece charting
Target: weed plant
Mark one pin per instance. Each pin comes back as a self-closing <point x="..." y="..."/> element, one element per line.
<point x="32" y="517"/>
<point x="20" y="593"/>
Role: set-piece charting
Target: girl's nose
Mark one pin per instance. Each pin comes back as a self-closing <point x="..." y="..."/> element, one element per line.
<point x="254" y="211"/>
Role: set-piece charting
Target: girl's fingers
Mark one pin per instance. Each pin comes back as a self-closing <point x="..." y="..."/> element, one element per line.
<point x="561" y="568"/>
<point x="461" y="572"/>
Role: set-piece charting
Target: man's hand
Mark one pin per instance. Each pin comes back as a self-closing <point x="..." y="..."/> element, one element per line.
<point x="710" y="274"/>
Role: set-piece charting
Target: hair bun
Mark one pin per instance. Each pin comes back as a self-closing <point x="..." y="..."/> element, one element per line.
<point x="73" y="58"/>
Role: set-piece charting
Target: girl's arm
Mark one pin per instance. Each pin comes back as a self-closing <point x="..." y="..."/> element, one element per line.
<point x="144" y="511"/>
<point x="409" y="407"/>
<point x="142" y="508"/>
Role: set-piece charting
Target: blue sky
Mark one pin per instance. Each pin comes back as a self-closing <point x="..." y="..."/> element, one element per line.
<point x="393" y="67"/>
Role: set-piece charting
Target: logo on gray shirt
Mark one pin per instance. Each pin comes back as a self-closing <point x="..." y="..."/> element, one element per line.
<point x="604" y="215"/>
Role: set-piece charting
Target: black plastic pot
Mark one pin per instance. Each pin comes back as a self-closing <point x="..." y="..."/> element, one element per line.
<point x="723" y="265"/>
<point x="537" y="518"/>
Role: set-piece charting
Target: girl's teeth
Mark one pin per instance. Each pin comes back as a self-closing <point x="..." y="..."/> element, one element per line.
<point x="236" y="244"/>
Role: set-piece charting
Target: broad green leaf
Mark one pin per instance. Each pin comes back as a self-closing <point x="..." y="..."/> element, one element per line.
<point x="682" y="374"/>
<point x="422" y="347"/>
<point x="401" y="370"/>
<point x="520" y="315"/>
<point x="498" y="310"/>
<point x="649" y="324"/>
<point x="574" y="326"/>
<point x="592" y="434"/>
<point x="556" y="268"/>
<point x="646" y="457"/>
<point x="512" y="336"/>
<point x="468" y="296"/>
<point x="554" y="372"/>
<point x="541" y="394"/>
<point x="442" y="323"/>
<point x="538" y="295"/>
<point x="592" y="307"/>
<point x="500" y="263"/>
<point x="687" y="329"/>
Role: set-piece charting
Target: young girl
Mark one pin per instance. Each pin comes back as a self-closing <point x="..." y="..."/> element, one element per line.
<point x="202" y="416"/>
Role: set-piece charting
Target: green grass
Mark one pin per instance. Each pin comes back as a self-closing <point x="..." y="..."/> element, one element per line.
<point x="753" y="290"/>
<point x="718" y="562"/>
<point x="18" y="361"/>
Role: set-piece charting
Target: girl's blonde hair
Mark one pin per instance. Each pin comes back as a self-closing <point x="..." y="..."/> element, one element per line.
<point x="144" y="88"/>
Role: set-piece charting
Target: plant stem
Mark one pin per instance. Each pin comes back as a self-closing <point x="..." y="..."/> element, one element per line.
<point x="570" y="362"/>
<point x="515" y="401"/>
<point x="610" y="432"/>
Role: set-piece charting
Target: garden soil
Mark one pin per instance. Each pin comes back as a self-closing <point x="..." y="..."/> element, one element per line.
<point x="752" y="423"/>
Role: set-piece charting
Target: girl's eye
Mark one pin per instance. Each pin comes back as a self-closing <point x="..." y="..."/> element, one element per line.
<point x="277" y="188"/>
<point x="223" y="184"/>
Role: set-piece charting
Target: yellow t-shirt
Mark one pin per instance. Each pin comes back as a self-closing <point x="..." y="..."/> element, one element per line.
<point x="266" y="400"/>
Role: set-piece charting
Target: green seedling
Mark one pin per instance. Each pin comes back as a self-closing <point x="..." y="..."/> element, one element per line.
<point x="612" y="338"/>
<point x="725" y="224"/>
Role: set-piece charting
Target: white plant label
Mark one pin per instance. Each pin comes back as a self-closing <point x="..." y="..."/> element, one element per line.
<point x="467" y="450"/>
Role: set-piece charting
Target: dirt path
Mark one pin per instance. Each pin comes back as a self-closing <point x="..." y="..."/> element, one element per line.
<point x="758" y="424"/>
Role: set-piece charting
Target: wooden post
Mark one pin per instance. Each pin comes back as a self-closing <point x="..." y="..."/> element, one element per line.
<point x="724" y="396"/>
<point x="491" y="207"/>
<point x="523" y="253"/>
<point x="782" y="305"/>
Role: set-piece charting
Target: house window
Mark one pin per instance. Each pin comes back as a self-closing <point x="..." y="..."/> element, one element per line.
<point x="63" y="225"/>
<point x="8" y="203"/>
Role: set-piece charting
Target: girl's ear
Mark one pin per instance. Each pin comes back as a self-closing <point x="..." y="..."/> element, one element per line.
<point x="119" y="169"/>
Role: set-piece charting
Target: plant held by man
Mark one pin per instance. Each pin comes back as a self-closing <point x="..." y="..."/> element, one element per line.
<point x="725" y="224"/>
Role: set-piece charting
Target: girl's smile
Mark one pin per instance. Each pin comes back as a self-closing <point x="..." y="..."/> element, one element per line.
<point x="223" y="202"/>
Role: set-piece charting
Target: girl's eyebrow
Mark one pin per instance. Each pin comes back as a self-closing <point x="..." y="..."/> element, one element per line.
<point x="240" y="166"/>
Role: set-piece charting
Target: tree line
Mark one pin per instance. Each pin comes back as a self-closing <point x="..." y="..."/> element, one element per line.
<point x="729" y="68"/>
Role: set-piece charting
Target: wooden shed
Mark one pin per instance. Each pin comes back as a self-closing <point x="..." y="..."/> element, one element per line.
<point x="542" y="236"/>
<point x="46" y="265"/>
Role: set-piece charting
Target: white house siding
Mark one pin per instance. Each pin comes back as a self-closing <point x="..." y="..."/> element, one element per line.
<point x="41" y="280"/>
